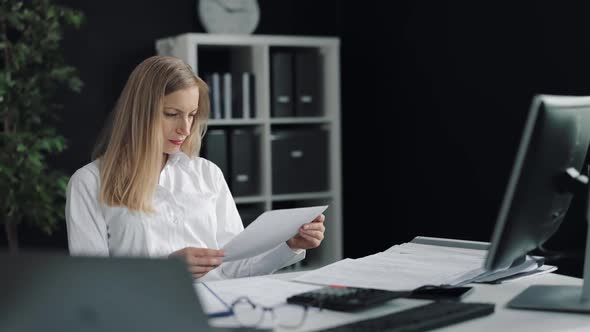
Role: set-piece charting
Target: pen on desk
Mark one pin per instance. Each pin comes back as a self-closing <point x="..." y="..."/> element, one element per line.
<point x="220" y="314"/>
<point x="229" y="311"/>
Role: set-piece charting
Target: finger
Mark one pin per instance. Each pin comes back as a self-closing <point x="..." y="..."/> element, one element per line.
<point x="205" y="252"/>
<point x="319" y="219"/>
<point x="314" y="234"/>
<point x="311" y="240"/>
<point x="200" y="269"/>
<point x="208" y="261"/>
<point x="203" y="261"/>
<point x="314" y="227"/>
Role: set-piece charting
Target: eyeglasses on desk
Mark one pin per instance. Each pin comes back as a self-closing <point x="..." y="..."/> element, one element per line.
<point x="250" y="314"/>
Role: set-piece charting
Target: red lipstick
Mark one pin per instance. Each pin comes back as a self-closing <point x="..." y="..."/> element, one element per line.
<point x="176" y="142"/>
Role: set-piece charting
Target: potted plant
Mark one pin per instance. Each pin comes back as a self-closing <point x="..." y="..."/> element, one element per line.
<point x="32" y="72"/>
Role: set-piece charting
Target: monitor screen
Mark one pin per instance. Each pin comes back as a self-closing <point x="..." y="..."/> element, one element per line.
<point x="556" y="138"/>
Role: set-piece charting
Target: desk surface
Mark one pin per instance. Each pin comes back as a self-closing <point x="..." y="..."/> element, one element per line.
<point x="503" y="319"/>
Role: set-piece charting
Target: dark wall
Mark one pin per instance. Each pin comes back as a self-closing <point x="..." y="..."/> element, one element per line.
<point x="434" y="97"/>
<point x="441" y="91"/>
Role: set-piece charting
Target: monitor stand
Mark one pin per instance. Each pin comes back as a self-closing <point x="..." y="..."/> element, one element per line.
<point x="563" y="298"/>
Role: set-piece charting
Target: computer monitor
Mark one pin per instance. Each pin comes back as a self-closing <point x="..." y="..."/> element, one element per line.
<point x="549" y="170"/>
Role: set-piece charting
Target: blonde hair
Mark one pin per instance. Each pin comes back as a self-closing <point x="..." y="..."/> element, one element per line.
<point x="131" y="145"/>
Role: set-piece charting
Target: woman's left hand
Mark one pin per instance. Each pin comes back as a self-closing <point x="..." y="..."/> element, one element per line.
<point x="310" y="235"/>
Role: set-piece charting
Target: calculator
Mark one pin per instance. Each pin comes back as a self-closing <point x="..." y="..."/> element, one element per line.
<point x="345" y="298"/>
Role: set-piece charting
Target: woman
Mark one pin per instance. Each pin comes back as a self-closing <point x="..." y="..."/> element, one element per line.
<point x="147" y="193"/>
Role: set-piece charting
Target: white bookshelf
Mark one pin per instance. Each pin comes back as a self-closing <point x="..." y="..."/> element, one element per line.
<point x="252" y="53"/>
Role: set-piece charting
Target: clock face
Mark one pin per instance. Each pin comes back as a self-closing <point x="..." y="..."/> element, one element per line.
<point x="229" y="16"/>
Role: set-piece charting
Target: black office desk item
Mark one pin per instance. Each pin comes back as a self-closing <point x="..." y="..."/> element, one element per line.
<point x="421" y="318"/>
<point x="345" y="298"/>
<point x="56" y="292"/>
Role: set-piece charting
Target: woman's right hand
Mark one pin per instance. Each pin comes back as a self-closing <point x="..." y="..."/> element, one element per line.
<point x="199" y="260"/>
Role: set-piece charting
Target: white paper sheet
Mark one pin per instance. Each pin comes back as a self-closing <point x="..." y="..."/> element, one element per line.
<point x="261" y="290"/>
<point x="268" y="231"/>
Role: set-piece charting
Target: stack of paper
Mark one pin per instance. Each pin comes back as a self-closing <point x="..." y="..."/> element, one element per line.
<point x="401" y="267"/>
<point x="411" y="265"/>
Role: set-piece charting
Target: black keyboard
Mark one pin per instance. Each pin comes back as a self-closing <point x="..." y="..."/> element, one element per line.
<point x="422" y="318"/>
<point x="345" y="298"/>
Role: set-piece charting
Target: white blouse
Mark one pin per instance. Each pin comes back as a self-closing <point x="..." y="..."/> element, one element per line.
<point x="194" y="208"/>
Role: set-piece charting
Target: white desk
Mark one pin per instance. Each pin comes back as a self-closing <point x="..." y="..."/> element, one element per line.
<point x="505" y="319"/>
<point x="502" y="319"/>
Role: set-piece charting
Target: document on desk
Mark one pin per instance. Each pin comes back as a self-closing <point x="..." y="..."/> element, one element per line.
<point x="402" y="267"/>
<point x="268" y="231"/>
<point x="217" y="296"/>
<point x="410" y="265"/>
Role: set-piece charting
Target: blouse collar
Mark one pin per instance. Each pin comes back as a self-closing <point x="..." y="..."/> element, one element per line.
<point x="178" y="157"/>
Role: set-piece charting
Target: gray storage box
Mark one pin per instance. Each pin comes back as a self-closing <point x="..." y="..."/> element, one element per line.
<point x="299" y="161"/>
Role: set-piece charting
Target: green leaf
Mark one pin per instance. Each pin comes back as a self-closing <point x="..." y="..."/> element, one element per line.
<point x="74" y="18"/>
<point x="62" y="73"/>
<point x="44" y="144"/>
<point x="62" y="183"/>
<point x="75" y="84"/>
<point x="51" y="12"/>
<point x="35" y="161"/>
